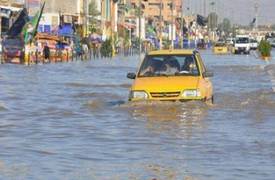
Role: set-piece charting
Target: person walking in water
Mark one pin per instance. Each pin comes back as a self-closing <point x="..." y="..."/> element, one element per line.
<point x="46" y="52"/>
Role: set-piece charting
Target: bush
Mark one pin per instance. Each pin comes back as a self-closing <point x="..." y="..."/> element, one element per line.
<point x="106" y="48"/>
<point x="265" y="48"/>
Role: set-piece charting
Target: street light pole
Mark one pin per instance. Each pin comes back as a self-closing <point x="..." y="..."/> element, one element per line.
<point x="139" y="26"/>
<point x="181" y="25"/>
<point x="256" y="6"/>
<point x="160" y="29"/>
<point x="172" y="23"/>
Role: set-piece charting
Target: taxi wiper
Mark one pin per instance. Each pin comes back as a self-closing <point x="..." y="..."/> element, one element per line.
<point x="162" y="74"/>
<point x="183" y="73"/>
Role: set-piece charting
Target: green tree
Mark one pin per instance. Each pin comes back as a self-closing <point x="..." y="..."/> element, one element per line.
<point x="265" y="48"/>
<point x="225" y="26"/>
<point x="93" y="13"/>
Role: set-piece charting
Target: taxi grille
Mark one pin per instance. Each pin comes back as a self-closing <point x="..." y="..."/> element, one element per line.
<point x="165" y="94"/>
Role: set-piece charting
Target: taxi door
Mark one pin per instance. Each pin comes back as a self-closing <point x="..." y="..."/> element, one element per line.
<point x="205" y="84"/>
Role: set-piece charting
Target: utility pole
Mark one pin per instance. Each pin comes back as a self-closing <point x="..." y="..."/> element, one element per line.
<point x="256" y="6"/>
<point x="161" y="21"/>
<point x="181" y="25"/>
<point x="139" y="26"/>
<point x="172" y="24"/>
<point x="204" y="8"/>
<point x="86" y="11"/>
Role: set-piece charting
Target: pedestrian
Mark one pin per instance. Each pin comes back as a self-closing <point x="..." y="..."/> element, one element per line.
<point x="85" y="50"/>
<point x="46" y="52"/>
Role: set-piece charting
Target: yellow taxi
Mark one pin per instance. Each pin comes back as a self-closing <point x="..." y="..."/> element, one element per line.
<point x="220" y="48"/>
<point x="172" y="75"/>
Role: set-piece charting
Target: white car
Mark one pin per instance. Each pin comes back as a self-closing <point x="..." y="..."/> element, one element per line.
<point x="253" y="44"/>
<point x="241" y="44"/>
<point x="272" y="42"/>
<point x="230" y="41"/>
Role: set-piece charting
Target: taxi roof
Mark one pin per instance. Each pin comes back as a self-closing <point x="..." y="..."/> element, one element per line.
<point x="172" y="52"/>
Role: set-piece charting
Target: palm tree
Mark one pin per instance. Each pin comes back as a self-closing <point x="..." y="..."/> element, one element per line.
<point x="93" y="14"/>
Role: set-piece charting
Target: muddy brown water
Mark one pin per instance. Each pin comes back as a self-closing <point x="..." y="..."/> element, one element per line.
<point x="73" y="121"/>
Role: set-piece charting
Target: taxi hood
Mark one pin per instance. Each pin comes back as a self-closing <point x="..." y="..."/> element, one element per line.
<point x="166" y="83"/>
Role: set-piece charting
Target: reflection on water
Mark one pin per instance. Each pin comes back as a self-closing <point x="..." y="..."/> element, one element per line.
<point x="73" y="121"/>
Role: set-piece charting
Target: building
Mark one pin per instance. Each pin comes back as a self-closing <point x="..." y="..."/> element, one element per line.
<point x="152" y="9"/>
<point x="11" y="2"/>
<point x="56" y="13"/>
<point x="162" y="15"/>
<point x="8" y="12"/>
<point x="109" y="17"/>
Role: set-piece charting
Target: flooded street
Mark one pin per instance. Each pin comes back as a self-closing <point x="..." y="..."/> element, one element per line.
<point x="73" y="121"/>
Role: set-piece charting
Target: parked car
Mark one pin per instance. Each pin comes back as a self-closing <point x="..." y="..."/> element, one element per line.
<point x="13" y="50"/>
<point x="175" y="75"/>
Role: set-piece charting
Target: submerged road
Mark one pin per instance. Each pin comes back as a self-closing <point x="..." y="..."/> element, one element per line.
<point x="73" y="121"/>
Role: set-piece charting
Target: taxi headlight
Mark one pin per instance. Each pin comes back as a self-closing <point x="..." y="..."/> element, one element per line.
<point x="138" y="95"/>
<point x="191" y="93"/>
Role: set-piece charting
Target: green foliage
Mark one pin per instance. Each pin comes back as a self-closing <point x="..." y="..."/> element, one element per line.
<point x="136" y="42"/>
<point x="93" y="8"/>
<point x="265" y="48"/>
<point x="225" y="26"/>
<point x="166" y="44"/>
<point x="93" y="12"/>
<point x="126" y="42"/>
<point x="106" y="48"/>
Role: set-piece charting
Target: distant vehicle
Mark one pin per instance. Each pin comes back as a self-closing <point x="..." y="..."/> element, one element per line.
<point x="13" y="50"/>
<point x="230" y="41"/>
<point x="172" y="75"/>
<point x="220" y="47"/>
<point x="253" y="44"/>
<point x="241" y="44"/>
<point x="272" y="42"/>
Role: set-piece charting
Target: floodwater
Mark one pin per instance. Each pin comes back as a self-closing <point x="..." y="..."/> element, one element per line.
<point x="72" y="121"/>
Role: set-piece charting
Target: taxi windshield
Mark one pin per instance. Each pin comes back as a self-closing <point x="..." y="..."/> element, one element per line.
<point x="169" y="65"/>
<point x="219" y="44"/>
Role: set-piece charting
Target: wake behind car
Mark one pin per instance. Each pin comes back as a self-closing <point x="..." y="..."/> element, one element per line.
<point x="175" y="75"/>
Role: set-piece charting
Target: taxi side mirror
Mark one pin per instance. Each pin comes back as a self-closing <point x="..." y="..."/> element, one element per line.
<point x="131" y="75"/>
<point x="208" y="74"/>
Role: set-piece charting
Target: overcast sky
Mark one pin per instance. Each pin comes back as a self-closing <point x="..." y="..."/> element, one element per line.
<point x="238" y="11"/>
